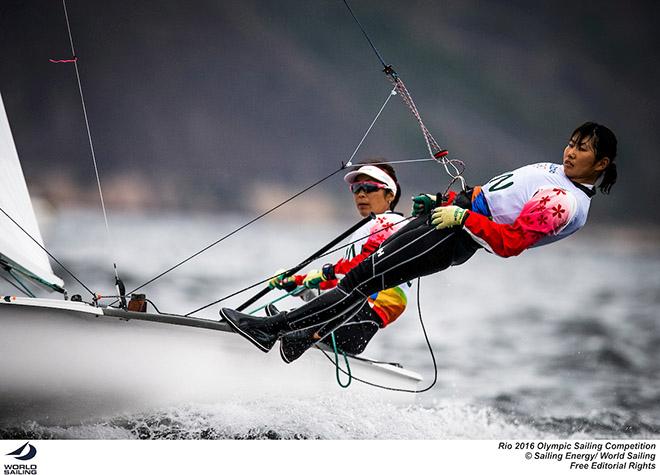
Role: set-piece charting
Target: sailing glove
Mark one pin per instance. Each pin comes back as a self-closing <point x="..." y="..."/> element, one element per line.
<point x="315" y="277"/>
<point x="448" y="216"/>
<point x="422" y="204"/>
<point x="282" y="282"/>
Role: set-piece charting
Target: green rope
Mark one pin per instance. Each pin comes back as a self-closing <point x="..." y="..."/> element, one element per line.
<point x="297" y="291"/>
<point x="348" y="366"/>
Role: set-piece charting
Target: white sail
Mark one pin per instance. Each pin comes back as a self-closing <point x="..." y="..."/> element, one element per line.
<point x="16" y="248"/>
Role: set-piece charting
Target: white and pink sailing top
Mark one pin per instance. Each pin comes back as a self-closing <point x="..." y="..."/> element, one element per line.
<point x="531" y="206"/>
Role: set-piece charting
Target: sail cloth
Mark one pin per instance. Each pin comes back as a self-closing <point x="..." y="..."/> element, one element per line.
<point x="16" y="249"/>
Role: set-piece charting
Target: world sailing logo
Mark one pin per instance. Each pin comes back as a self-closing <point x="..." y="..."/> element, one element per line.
<point x="32" y="451"/>
<point x="22" y="454"/>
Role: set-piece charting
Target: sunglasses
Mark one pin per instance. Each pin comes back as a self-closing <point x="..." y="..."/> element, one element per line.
<point x="366" y="186"/>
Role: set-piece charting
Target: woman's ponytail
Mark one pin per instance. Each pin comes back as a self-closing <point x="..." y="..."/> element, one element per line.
<point x="609" y="178"/>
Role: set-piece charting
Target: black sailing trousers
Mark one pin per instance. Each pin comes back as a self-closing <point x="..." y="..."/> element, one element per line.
<point x="418" y="249"/>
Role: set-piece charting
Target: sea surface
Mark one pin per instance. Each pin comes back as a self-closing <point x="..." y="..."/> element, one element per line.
<point x="560" y="342"/>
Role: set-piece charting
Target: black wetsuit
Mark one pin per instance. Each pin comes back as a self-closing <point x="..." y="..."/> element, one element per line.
<point x="354" y="335"/>
<point x="418" y="249"/>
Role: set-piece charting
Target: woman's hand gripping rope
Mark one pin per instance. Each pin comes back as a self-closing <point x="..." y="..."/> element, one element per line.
<point x="448" y="216"/>
<point x="315" y="278"/>
<point x="280" y="281"/>
<point x="422" y="204"/>
<point x="425" y="203"/>
<point x="312" y="280"/>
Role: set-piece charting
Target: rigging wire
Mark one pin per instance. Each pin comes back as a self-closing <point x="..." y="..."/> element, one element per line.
<point x="399" y="87"/>
<point x="291" y="198"/>
<point x="20" y="282"/>
<point x="22" y="287"/>
<point x="435" y="151"/>
<point x="13" y="284"/>
<point x="389" y="96"/>
<point x="304" y="190"/>
<point x="453" y="167"/>
<point x="373" y="47"/>
<point x="118" y="283"/>
<point x="394" y="162"/>
<point x="47" y="252"/>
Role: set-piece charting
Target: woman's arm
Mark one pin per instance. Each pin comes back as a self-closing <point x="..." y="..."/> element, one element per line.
<point x="547" y="213"/>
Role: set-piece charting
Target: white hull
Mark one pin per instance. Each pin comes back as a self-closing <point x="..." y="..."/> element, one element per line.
<point x="74" y="363"/>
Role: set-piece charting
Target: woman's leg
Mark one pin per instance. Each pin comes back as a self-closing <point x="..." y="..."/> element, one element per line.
<point x="416" y="250"/>
<point x="405" y="256"/>
<point x="351" y="337"/>
<point x="413" y="252"/>
<point x="354" y="335"/>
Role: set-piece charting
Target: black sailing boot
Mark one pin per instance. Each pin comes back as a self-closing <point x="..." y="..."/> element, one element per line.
<point x="295" y="343"/>
<point x="313" y="327"/>
<point x="271" y="310"/>
<point x="263" y="332"/>
<point x="260" y="331"/>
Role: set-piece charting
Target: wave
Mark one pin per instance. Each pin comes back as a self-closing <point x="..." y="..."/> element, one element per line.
<point x="335" y="418"/>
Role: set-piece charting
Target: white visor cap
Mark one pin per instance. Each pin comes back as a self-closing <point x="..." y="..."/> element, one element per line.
<point x="373" y="172"/>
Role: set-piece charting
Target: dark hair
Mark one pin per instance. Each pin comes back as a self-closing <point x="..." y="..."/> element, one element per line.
<point x="377" y="162"/>
<point x="604" y="143"/>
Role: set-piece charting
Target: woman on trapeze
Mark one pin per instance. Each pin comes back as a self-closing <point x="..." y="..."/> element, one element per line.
<point x="376" y="191"/>
<point x="531" y="206"/>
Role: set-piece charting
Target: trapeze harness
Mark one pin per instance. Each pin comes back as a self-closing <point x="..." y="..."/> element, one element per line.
<point x="529" y="207"/>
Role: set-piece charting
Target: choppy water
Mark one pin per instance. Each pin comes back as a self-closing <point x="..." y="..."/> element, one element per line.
<point x="561" y="342"/>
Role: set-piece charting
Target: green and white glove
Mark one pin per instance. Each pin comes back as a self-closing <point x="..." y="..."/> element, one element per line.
<point x="281" y="282"/>
<point x="448" y="216"/>
<point x="422" y="204"/>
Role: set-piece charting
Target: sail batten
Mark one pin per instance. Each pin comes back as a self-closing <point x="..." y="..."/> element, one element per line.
<point x="17" y="250"/>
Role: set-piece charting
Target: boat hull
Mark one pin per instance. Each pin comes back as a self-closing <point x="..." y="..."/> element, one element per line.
<point x="73" y="363"/>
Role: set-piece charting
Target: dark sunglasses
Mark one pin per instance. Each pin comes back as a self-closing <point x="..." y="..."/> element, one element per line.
<point x="366" y="186"/>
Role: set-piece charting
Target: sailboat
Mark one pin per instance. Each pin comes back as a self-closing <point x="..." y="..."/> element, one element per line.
<point x="64" y="360"/>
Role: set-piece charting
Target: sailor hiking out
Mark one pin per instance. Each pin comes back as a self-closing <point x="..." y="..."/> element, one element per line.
<point x="532" y="206"/>
<point x="376" y="192"/>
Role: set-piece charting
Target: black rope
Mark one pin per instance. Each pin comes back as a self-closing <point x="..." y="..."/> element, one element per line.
<point x="428" y="343"/>
<point x="318" y="182"/>
<point x="46" y="251"/>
